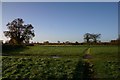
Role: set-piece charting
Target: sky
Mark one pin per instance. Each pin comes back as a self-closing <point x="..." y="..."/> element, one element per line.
<point x="0" y="20"/>
<point x="64" y="21"/>
<point x="60" y="0"/>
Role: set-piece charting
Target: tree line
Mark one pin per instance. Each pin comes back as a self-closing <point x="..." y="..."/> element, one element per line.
<point x="20" y="33"/>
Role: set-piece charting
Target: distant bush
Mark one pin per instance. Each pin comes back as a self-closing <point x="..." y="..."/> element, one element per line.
<point x="29" y="44"/>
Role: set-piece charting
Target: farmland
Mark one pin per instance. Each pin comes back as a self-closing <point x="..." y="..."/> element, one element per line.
<point x="35" y="67"/>
<point x="61" y="62"/>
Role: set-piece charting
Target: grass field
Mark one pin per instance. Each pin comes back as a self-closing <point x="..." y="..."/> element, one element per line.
<point x="49" y="50"/>
<point x="105" y="61"/>
<point x="68" y="65"/>
<point x="105" y="52"/>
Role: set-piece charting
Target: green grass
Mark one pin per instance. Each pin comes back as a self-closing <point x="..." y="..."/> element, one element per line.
<point x="42" y="65"/>
<point x="51" y="50"/>
<point x="105" y="60"/>
<point x="105" y="52"/>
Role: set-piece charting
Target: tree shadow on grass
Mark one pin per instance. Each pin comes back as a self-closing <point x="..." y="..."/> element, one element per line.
<point x="11" y="50"/>
<point x="78" y="72"/>
<point x="83" y="71"/>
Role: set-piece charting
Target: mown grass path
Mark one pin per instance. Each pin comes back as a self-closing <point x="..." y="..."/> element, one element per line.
<point x="87" y="54"/>
<point x="88" y="66"/>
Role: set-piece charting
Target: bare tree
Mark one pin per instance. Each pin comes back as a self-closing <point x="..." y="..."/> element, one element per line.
<point x="95" y="37"/>
<point x="87" y="37"/>
<point x="91" y="37"/>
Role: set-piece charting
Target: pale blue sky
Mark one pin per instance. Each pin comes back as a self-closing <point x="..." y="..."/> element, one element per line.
<point x="0" y="19"/>
<point x="65" y="21"/>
